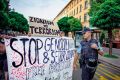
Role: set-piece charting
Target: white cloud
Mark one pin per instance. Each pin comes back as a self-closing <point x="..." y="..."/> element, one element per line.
<point x="46" y="9"/>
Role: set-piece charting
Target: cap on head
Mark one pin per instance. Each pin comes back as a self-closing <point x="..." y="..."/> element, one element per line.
<point x="86" y="30"/>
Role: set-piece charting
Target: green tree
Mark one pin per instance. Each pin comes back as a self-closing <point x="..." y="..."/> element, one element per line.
<point x="68" y="24"/>
<point x="18" y="22"/>
<point x="75" y="25"/>
<point x="4" y="18"/>
<point x="107" y="18"/>
<point x="11" y="19"/>
<point x="2" y="5"/>
<point x="95" y="6"/>
<point x="64" y="25"/>
<point x="102" y="37"/>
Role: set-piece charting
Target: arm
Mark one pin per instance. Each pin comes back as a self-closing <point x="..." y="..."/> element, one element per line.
<point x="98" y="48"/>
<point x="76" y="57"/>
<point x="2" y="45"/>
<point x="100" y="52"/>
<point x="2" y="48"/>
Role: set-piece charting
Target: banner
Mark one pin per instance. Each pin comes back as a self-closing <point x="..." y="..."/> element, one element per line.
<point x="40" y="58"/>
<point x="42" y="27"/>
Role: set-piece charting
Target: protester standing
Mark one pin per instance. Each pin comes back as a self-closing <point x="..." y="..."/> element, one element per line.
<point x="3" y="57"/>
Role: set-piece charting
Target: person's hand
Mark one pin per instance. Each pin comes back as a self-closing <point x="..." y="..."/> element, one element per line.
<point x="94" y="46"/>
<point x="2" y="48"/>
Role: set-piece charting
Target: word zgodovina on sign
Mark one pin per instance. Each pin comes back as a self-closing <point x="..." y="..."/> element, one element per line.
<point x="40" y="27"/>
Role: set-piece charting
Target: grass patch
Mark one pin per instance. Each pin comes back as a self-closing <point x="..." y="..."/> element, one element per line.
<point x="111" y="56"/>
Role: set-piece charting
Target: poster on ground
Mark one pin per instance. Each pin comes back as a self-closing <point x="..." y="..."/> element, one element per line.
<point x="40" y="58"/>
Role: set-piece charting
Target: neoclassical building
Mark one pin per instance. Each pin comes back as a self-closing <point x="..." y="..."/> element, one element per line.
<point x="78" y="9"/>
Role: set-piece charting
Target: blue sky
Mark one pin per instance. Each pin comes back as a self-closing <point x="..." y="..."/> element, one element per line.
<point x="46" y="9"/>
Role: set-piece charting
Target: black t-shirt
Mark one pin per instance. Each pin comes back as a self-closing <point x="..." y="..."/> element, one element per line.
<point x="2" y="56"/>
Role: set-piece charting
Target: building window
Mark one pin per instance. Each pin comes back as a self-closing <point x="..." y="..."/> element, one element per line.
<point x="70" y="6"/>
<point x="74" y="11"/>
<point x="77" y="1"/>
<point x="80" y="18"/>
<point x="86" y="4"/>
<point x="80" y="8"/>
<point x="74" y="2"/>
<point x="77" y="11"/>
<point x="85" y="17"/>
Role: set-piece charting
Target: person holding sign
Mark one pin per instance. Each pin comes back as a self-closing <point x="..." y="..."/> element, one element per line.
<point x="3" y="57"/>
<point x="88" y="50"/>
<point x="61" y="34"/>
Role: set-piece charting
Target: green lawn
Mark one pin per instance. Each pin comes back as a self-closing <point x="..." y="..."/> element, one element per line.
<point x="111" y="56"/>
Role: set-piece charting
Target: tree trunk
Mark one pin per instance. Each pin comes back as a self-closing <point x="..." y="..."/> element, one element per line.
<point x="73" y="34"/>
<point x="75" y="38"/>
<point x="110" y="41"/>
<point x="66" y="33"/>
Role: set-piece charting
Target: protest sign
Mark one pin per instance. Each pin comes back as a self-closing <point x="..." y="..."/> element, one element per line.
<point x="40" y="58"/>
<point x="42" y="27"/>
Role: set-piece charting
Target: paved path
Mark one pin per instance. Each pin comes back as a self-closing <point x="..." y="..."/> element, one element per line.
<point x="114" y="50"/>
<point x="105" y="71"/>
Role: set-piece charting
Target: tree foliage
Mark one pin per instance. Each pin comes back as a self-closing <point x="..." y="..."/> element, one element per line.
<point x="95" y="6"/>
<point x="108" y="16"/>
<point x="68" y="24"/>
<point x="11" y="19"/>
<point x="102" y="37"/>
<point x="4" y="18"/>
<point x="18" y="22"/>
<point x="75" y="24"/>
<point x="3" y="5"/>
<point x="63" y="24"/>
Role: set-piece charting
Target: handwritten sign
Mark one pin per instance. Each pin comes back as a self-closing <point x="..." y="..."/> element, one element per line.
<point x="40" y="58"/>
<point x="42" y="27"/>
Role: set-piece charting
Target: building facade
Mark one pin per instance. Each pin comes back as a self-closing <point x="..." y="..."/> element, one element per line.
<point x="78" y="9"/>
